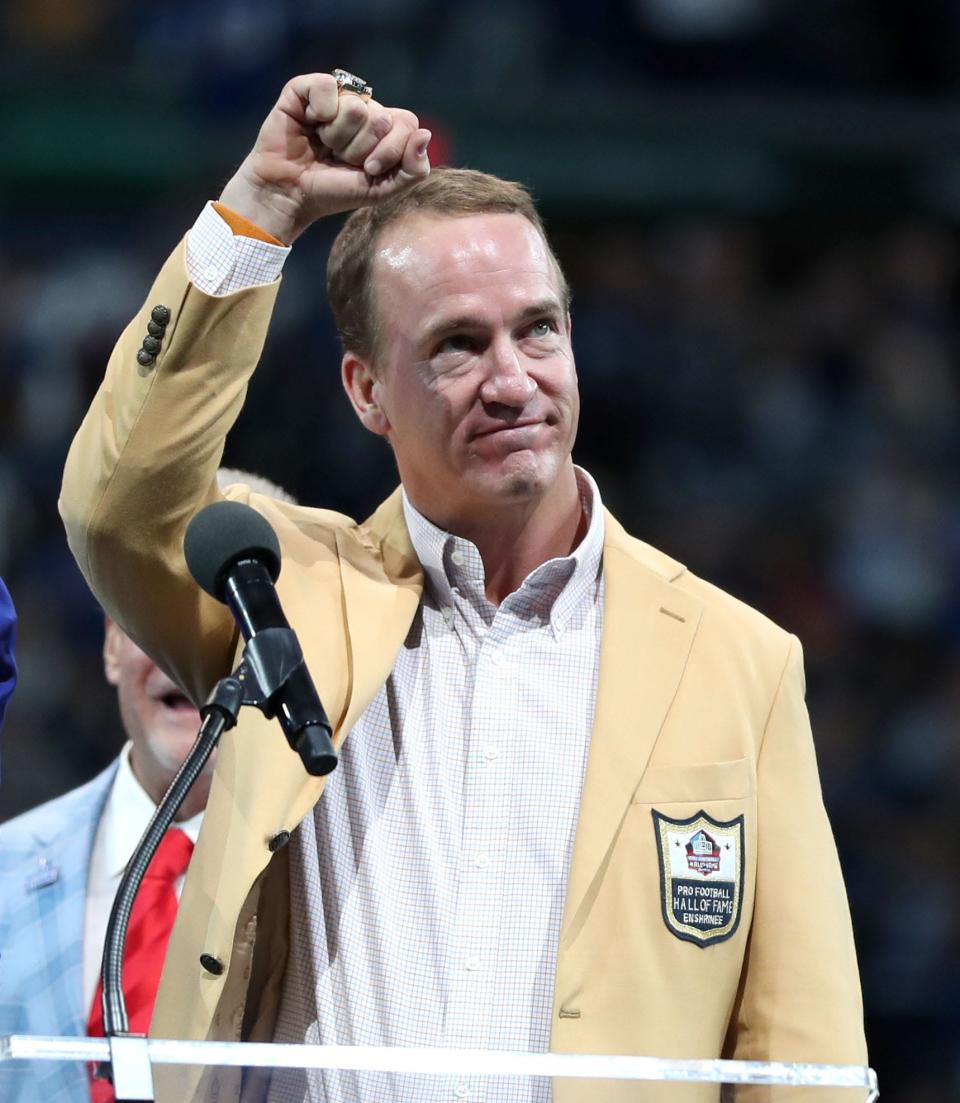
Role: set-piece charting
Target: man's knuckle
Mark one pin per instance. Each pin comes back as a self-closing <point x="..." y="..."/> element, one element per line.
<point x="353" y="109"/>
<point x="381" y="125"/>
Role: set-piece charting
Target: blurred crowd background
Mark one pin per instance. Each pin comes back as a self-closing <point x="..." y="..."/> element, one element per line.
<point x="756" y="202"/>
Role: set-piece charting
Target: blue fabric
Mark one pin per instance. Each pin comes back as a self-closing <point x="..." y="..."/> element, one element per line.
<point x="44" y="862"/>
<point x="8" y="637"/>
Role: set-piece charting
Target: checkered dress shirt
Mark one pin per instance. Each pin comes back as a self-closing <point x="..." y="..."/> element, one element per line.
<point x="428" y="885"/>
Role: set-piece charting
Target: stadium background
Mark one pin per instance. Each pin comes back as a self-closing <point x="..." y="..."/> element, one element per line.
<point x="756" y="202"/>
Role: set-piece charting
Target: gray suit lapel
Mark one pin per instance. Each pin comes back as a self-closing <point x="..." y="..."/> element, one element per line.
<point x="648" y="630"/>
<point x="55" y="879"/>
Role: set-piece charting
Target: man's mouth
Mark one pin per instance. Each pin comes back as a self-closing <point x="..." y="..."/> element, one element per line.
<point x="507" y="427"/>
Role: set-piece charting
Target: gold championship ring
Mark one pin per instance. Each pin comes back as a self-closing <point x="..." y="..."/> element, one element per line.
<point x="356" y="86"/>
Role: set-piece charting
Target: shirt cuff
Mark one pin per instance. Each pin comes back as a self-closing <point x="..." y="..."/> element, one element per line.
<point x="220" y="262"/>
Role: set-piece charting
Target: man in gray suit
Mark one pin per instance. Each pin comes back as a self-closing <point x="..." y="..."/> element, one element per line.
<point x="61" y="863"/>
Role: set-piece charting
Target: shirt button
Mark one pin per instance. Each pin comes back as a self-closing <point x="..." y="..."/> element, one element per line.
<point x="461" y="1091"/>
<point x="491" y="751"/>
<point x="212" y="273"/>
<point x="482" y="861"/>
<point x="448" y="617"/>
<point x="472" y="964"/>
<point x="457" y="558"/>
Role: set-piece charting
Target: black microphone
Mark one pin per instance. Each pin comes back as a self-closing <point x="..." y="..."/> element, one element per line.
<point x="233" y="553"/>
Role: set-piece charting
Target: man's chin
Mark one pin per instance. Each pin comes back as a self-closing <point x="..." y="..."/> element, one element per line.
<point x="169" y="750"/>
<point x="176" y="731"/>
<point x="520" y="476"/>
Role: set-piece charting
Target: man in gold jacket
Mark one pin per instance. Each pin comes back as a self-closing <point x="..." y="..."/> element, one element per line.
<point x="703" y="909"/>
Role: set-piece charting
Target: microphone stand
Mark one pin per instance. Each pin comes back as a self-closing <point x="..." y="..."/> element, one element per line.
<point x="270" y="659"/>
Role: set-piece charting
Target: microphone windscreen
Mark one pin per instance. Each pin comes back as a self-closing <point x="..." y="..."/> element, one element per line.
<point x="223" y="533"/>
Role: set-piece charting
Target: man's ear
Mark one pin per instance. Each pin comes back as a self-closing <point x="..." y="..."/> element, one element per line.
<point x="111" y="660"/>
<point x="364" y="389"/>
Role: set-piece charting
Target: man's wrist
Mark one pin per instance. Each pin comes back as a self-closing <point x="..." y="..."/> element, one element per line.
<point x="272" y="213"/>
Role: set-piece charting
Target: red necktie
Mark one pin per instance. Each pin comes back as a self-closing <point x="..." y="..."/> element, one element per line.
<point x="148" y="933"/>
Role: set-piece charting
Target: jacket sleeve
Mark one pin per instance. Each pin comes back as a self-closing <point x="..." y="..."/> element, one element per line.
<point x="799" y="996"/>
<point x="8" y="637"/>
<point x="145" y="459"/>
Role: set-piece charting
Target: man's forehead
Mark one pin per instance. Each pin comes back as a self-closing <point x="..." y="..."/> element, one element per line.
<point x="421" y="246"/>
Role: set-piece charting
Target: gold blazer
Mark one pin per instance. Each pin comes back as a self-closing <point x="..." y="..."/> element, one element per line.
<point x="700" y="738"/>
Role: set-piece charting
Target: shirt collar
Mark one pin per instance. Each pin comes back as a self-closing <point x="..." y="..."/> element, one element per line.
<point x="126" y="814"/>
<point x="449" y="560"/>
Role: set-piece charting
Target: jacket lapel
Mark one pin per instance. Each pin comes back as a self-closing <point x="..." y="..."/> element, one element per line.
<point x="56" y="879"/>
<point x="381" y="582"/>
<point x="381" y="596"/>
<point x="67" y="913"/>
<point x="381" y="593"/>
<point x="648" y="630"/>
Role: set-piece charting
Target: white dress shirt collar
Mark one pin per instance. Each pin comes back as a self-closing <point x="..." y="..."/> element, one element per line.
<point x="453" y="565"/>
<point x="125" y="817"/>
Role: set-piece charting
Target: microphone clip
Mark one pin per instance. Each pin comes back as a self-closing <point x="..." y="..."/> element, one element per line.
<point x="272" y="659"/>
<point x="269" y="660"/>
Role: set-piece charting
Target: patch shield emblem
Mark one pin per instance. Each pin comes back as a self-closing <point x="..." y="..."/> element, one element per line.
<point x="701" y="876"/>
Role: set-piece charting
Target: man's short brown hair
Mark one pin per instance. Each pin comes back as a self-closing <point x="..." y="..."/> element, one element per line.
<point x="446" y="192"/>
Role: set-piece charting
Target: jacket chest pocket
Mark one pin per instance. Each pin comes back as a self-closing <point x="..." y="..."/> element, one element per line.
<point x="703" y="783"/>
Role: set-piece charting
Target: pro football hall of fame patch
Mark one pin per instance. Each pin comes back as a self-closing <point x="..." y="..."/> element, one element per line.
<point x="701" y="876"/>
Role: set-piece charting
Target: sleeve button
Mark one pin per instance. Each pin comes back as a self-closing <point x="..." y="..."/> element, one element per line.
<point x="160" y="314"/>
<point x="279" y="840"/>
<point x="151" y="345"/>
<point x="145" y="358"/>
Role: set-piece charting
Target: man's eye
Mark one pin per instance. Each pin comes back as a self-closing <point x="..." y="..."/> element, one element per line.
<point x="543" y="328"/>
<point x="457" y="342"/>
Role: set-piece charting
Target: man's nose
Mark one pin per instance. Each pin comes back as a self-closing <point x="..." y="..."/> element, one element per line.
<point x="507" y="382"/>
